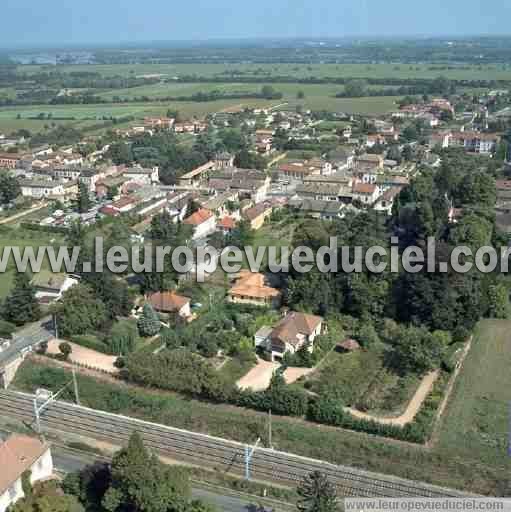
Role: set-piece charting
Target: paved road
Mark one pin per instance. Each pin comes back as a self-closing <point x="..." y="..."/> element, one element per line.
<point x="211" y="452"/>
<point x="23" y="340"/>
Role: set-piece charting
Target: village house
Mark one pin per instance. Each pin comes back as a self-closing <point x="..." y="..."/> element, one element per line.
<point x="159" y="123"/>
<point x="258" y="214"/>
<point x="89" y="177"/>
<point x="226" y="225"/>
<point x="223" y="160"/>
<point x="294" y="331"/>
<point x="171" y="303"/>
<point x="440" y="139"/>
<point x="386" y="201"/>
<point x="50" y="286"/>
<point x="366" y="193"/>
<point x="140" y="175"/>
<point x="221" y="204"/>
<point x="475" y="142"/>
<point x="325" y="192"/>
<point x="334" y="179"/>
<point x="248" y="183"/>
<point x="251" y="288"/>
<point x="65" y="173"/>
<point x="20" y="454"/>
<point x="9" y="160"/>
<point x="107" y="186"/>
<point x="41" y="188"/>
<point x="264" y="141"/>
<point x="203" y="222"/>
<point x="369" y="161"/>
<point x="317" y="209"/>
<point x="124" y="204"/>
<point x="342" y="159"/>
<point x="197" y="176"/>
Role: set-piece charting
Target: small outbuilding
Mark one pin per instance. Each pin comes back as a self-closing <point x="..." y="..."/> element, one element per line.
<point x="348" y="345"/>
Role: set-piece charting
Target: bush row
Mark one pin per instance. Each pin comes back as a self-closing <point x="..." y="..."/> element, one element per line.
<point x="187" y="373"/>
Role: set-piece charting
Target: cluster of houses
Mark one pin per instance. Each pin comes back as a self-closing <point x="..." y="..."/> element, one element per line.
<point x="151" y="125"/>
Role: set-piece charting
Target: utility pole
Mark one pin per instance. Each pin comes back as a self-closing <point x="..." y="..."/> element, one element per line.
<point x="248" y="457"/>
<point x="270" y="445"/>
<point x="75" y="385"/>
<point x="56" y="326"/>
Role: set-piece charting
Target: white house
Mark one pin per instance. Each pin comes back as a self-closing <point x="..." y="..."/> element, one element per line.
<point x="50" y="286"/>
<point x="203" y="222"/>
<point x="140" y="175"/>
<point x="366" y="193"/>
<point x="19" y="454"/>
<point x="41" y="188"/>
<point x="293" y="332"/>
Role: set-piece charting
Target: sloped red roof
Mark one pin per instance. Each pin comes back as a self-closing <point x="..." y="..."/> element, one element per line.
<point x="197" y="218"/>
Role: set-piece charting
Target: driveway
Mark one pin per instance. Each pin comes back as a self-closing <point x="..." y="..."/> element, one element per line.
<point x="258" y="378"/>
<point x="85" y="356"/>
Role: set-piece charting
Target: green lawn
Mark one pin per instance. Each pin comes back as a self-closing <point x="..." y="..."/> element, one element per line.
<point x="21" y="238"/>
<point x="477" y="420"/>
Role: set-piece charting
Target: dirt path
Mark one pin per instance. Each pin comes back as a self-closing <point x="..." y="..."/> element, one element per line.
<point x="259" y="377"/>
<point x="412" y="409"/>
<point x="22" y="214"/>
<point x="447" y="395"/>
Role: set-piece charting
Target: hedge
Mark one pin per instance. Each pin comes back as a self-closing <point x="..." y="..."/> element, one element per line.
<point x="91" y="342"/>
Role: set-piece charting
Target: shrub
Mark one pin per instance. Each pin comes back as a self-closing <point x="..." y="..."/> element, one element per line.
<point x="149" y="322"/>
<point x="65" y="349"/>
<point x="6" y="329"/>
<point x="91" y="342"/>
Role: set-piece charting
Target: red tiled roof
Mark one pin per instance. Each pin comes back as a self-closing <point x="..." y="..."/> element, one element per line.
<point x="364" y="188"/>
<point x="294" y="324"/>
<point x="18" y="454"/>
<point x="167" y="301"/>
<point x="227" y="223"/>
<point x="197" y="218"/>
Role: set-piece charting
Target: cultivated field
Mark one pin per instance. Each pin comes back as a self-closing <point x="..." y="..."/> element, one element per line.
<point x="458" y="72"/>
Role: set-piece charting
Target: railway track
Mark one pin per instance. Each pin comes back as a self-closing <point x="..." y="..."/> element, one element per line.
<point x="211" y="452"/>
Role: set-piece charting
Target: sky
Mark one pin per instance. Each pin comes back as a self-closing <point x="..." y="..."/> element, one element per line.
<point x="26" y="22"/>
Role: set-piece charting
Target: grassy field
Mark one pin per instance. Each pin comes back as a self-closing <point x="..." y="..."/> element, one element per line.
<point x="483" y="72"/>
<point x="21" y="238"/>
<point x="83" y="116"/>
<point x="477" y="422"/>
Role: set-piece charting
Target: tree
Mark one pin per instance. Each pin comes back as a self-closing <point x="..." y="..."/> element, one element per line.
<point x="83" y="202"/>
<point x="65" y="349"/>
<point x="47" y="497"/>
<point x="79" y="311"/>
<point x="355" y="88"/>
<point x="26" y="484"/>
<point x="417" y="350"/>
<point x="21" y="306"/>
<point x="113" y="192"/>
<point x="300" y="95"/>
<point x="9" y="188"/>
<point x="317" y="494"/>
<point x="498" y="301"/>
<point x="148" y="324"/>
<point x="242" y="235"/>
<point x="247" y="160"/>
<point x="140" y="482"/>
